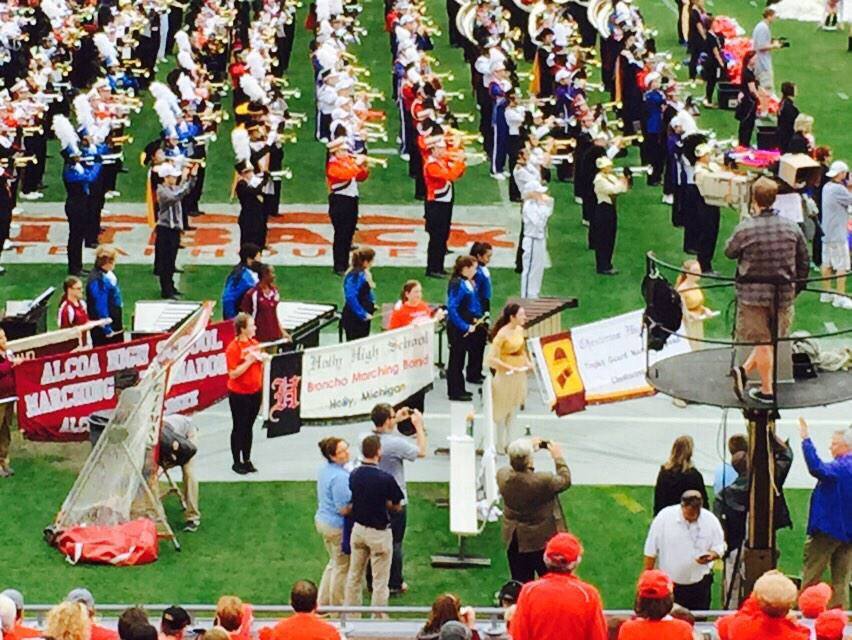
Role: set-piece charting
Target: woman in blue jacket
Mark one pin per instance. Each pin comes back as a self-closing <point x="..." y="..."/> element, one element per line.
<point x="242" y="278"/>
<point x="464" y="315"/>
<point x="359" y="299"/>
<point x="103" y="298"/>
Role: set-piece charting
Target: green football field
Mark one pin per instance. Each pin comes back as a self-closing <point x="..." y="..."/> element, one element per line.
<point x="257" y="538"/>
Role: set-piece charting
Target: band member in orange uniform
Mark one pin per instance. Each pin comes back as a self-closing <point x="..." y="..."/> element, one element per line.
<point x="343" y="172"/>
<point x="442" y="167"/>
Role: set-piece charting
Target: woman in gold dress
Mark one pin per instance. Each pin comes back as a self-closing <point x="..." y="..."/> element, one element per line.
<point x="508" y="358"/>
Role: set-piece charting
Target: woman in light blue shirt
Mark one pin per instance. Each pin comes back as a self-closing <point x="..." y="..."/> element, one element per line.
<point x="333" y="498"/>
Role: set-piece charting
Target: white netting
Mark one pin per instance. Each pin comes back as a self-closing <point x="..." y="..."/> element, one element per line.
<point x="810" y="10"/>
<point x="111" y="488"/>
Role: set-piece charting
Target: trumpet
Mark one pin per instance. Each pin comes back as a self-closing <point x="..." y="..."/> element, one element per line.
<point x="124" y="139"/>
<point x="449" y="77"/>
<point x="524" y="75"/>
<point x="215" y="116"/>
<point x="634" y="138"/>
<point x="465" y="117"/>
<point x="204" y="138"/>
<point x="371" y="161"/>
<point x="292" y="93"/>
<point x="19" y="161"/>
<point x="286" y="138"/>
<point x="468" y="156"/>
<point x="594" y="86"/>
<point x="284" y="82"/>
<point x="201" y="162"/>
<point x="643" y="169"/>
<point x="373" y="95"/>
<point x="32" y="130"/>
<point x="105" y="158"/>
<point x="283" y="173"/>
<point x="562" y="144"/>
<point x="606" y="106"/>
<point x="562" y="157"/>
<point x="454" y="94"/>
<point x="361" y="71"/>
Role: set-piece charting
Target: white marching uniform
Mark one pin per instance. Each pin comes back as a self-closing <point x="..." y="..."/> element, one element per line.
<point x="535" y="214"/>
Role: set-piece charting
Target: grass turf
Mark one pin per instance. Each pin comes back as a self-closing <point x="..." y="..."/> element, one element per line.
<point x="257" y="538"/>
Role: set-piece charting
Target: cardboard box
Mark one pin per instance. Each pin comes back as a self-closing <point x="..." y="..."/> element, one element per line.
<point x="798" y="168"/>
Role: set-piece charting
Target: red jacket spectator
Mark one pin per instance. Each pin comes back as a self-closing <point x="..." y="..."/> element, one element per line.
<point x="654" y="601"/>
<point x="102" y="633"/>
<point x="764" y="614"/>
<point x="301" y="626"/>
<point x="559" y="606"/>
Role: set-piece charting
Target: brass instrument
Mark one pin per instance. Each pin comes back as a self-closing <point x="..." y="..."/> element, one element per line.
<point x="201" y="162"/>
<point x="465" y="117"/>
<point x="454" y="94"/>
<point x="373" y="95"/>
<point x="606" y="106"/>
<point x="464" y="136"/>
<point x="215" y="116"/>
<point x="105" y="158"/>
<point x="563" y="157"/>
<point x="32" y="130"/>
<point x="204" y="138"/>
<point x="284" y="82"/>
<point x="283" y="173"/>
<point x="361" y="71"/>
<point x="19" y="161"/>
<point x="562" y="144"/>
<point x="125" y="139"/>
<point x="643" y="169"/>
<point x="292" y="93"/>
<point x="286" y="138"/>
<point x="634" y="138"/>
<point x="371" y="161"/>
<point x="449" y="77"/>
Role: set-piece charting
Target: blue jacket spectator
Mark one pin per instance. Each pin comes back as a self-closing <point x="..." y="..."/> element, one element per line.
<point x="103" y="296"/>
<point x="831" y="500"/>
<point x="241" y="279"/>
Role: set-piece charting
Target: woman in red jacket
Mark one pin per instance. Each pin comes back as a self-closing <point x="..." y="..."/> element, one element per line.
<point x="72" y="311"/>
<point x="654" y="602"/>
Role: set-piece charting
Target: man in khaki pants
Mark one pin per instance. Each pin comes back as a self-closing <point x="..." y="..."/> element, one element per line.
<point x="374" y="494"/>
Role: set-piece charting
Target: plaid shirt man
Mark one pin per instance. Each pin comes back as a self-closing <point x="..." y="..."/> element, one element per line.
<point x="770" y="248"/>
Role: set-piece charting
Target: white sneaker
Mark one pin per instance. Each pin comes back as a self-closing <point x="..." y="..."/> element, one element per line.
<point x="668" y="199"/>
<point x="404" y="157"/>
<point x="826" y="297"/>
<point x="842" y="302"/>
<point x="32" y="195"/>
<point x="578" y="200"/>
<point x="498" y="176"/>
<point x="8" y="244"/>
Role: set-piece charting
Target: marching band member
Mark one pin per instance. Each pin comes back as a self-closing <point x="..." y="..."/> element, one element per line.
<point x="360" y="300"/>
<point x="536" y="210"/>
<point x="170" y="197"/>
<point x="604" y="225"/>
<point x="72" y="311"/>
<point x="441" y="169"/>
<point x="708" y="216"/>
<point x="653" y="142"/>
<point x="464" y="319"/>
<point x="343" y="172"/>
<point x="249" y="192"/>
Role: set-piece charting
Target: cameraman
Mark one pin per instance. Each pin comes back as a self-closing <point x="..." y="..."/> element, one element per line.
<point x="763" y="45"/>
<point x="396" y="449"/>
<point x="532" y="513"/>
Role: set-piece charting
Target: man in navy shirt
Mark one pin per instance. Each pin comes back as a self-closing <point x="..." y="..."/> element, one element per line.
<point x="829" y="540"/>
<point x="375" y="494"/>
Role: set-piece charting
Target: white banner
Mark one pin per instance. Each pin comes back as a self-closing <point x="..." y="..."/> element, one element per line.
<point x="611" y="357"/>
<point x="349" y="379"/>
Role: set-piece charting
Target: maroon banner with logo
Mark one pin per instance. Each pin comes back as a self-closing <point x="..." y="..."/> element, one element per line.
<point x="57" y="394"/>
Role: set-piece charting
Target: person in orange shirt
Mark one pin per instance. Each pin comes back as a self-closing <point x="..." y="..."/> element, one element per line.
<point x="654" y="602"/>
<point x="764" y="613"/>
<point x="343" y="172"/>
<point x="440" y="169"/>
<point x="831" y="625"/>
<point x="245" y="382"/>
<point x="84" y="596"/>
<point x="235" y="617"/>
<point x="411" y="308"/>
<point x="18" y="631"/>
<point x="304" y="624"/>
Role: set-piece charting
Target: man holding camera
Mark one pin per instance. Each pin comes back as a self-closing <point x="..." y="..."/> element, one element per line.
<point x="764" y="45"/>
<point x="532" y="514"/>
<point x="396" y="449"/>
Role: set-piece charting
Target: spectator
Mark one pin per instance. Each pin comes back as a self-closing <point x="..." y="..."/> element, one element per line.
<point x="836" y="201"/>
<point x="333" y="497"/>
<point x="829" y="540"/>
<point x="446" y="608"/>
<point x="144" y="632"/>
<point x="235" y="616"/>
<point x="131" y="619"/>
<point x="453" y="630"/>
<point x="242" y="278"/>
<point x="69" y="620"/>
<point x="216" y="633"/>
<point x="763" y="45"/>
<point x="396" y="449"/>
<point x="814" y="600"/>
<point x="654" y="602"/>
<point x="559" y="606"/>
<point x="532" y="513"/>
<point x="103" y="298"/>
<point x="374" y="494"/>
<point x="464" y="324"/>
<point x="802" y="140"/>
<point x="18" y="631"/>
<point x="8" y="360"/>
<point x="725" y="474"/>
<point x="85" y="597"/>
<point x="182" y="436"/>
<point x="173" y="623"/>
<point x="304" y="624"/>
<point x="411" y="308"/>
<point x="72" y="312"/>
<point x="7" y="616"/>
<point x="678" y="475"/>
<point x="764" y="614"/>
<point x="482" y="284"/>
<point x="831" y="625"/>
<point x="771" y="255"/>
<point x="684" y="540"/>
<point x="261" y="303"/>
<point x="787" y="115"/>
<point x="359" y="297"/>
<point x="730" y="506"/>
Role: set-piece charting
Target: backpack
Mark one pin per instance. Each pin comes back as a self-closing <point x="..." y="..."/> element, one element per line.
<point x="663" y="310"/>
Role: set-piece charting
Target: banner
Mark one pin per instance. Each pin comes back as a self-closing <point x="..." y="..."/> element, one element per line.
<point x="56" y="394"/>
<point x="611" y="357"/>
<point x="557" y="363"/>
<point x="345" y="381"/>
<point x="282" y="394"/>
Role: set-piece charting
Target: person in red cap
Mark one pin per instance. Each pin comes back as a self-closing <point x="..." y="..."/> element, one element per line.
<point x="559" y="606"/>
<point x="654" y="602"/>
<point x="814" y="600"/>
<point x="764" y="614"/>
<point x="831" y="625"/>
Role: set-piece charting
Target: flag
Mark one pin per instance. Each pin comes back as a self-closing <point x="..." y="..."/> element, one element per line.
<point x="562" y="373"/>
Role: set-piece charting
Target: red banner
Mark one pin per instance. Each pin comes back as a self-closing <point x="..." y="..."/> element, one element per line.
<point x="57" y="394"/>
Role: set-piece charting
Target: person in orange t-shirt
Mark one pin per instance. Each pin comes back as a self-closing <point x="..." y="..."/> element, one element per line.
<point x="19" y="631"/>
<point x="83" y="596"/>
<point x="654" y="602"/>
<point x="305" y="624"/>
<point x="764" y="614"/>
<point x="245" y="381"/>
<point x="235" y="617"/>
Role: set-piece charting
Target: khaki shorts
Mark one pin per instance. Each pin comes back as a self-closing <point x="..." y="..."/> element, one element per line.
<point x="754" y="322"/>
<point x="835" y="256"/>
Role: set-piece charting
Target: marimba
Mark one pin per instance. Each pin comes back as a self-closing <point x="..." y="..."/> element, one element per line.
<point x="305" y="320"/>
<point x="160" y="316"/>
<point x="544" y="315"/>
